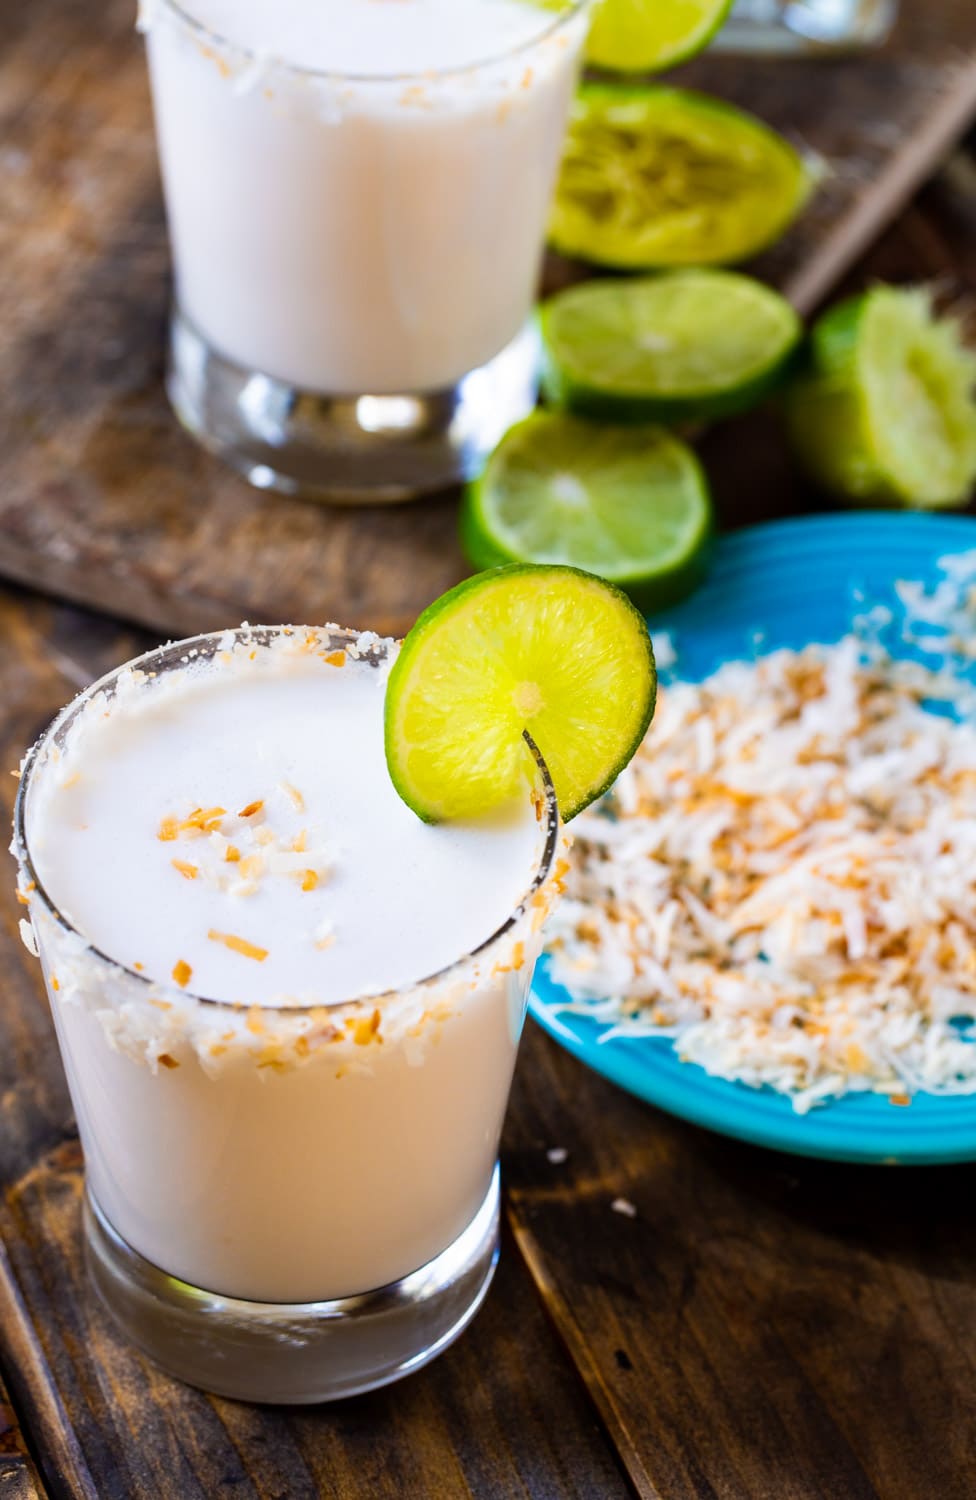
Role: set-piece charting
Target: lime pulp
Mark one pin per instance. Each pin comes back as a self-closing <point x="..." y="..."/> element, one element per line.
<point x="683" y="346"/>
<point x="551" y="651"/>
<point x="885" y="411"/>
<point x="658" y="177"/>
<point x="628" y="503"/>
<point x="646" y="36"/>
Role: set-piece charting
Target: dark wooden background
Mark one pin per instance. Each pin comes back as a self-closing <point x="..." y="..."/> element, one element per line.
<point x="765" y="1328"/>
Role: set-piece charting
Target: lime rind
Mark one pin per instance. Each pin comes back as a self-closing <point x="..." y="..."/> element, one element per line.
<point x="631" y="504"/>
<point x="885" y="411"/>
<point x="656" y="177"/>
<point x="919" y="381"/>
<point x="552" y="651"/>
<point x="644" y="36"/>
<point x="681" y="346"/>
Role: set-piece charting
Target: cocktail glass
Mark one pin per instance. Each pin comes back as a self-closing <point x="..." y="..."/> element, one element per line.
<point x="807" y="26"/>
<point x="355" y="257"/>
<point x="286" y="1205"/>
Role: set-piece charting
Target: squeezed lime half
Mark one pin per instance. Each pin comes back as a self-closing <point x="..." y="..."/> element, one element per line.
<point x="658" y="177"/>
<point x="885" y="411"/>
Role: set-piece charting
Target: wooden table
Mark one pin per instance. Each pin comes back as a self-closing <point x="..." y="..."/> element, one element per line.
<point x="765" y="1328"/>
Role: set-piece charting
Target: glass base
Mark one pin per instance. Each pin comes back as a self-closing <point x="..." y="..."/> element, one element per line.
<point x="806" y="26"/>
<point x="294" y="1354"/>
<point x="347" y="449"/>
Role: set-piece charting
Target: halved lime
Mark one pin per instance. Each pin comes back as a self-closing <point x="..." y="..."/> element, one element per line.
<point x="646" y="36"/>
<point x="655" y="177"/>
<point x="885" y="413"/>
<point x="552" y="651"/>
<point x="629" y="503"/>
<point x="681" y="346"/>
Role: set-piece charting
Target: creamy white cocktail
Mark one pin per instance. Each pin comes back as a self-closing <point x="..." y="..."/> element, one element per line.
<point x="357" y="190"/>
<point x="238" y="918"/>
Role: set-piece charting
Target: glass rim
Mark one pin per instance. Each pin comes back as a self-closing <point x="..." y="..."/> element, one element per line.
<point x="179" y="9"/>
<point x="176" y="650"/>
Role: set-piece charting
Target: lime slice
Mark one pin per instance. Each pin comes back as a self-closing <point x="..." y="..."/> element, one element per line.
<point x="646" y="36"/>
<point x="682" y="346"/>
<point x="655" y="177"/>
<point x="629" y="503"/>
<point x="551" y="651"/>
<point x="886" y="412"/>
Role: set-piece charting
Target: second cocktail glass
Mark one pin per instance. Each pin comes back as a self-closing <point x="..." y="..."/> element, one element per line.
<point x="356" y="255"/>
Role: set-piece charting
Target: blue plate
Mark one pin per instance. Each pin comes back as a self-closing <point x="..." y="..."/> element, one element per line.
<point x="787" y="584"/>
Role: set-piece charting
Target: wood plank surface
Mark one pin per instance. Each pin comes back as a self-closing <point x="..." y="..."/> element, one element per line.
<point x="105" y="501"/>
<point x="502" y="1415"/>
<point x="19" y="1479"/>
<point x="765" y="1328"/>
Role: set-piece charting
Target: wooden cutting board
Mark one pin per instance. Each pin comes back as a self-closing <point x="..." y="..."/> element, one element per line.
<point x="103" y="500"/>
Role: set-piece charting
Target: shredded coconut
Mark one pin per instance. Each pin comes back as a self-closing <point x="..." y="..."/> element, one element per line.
<point x="784" y="879"/>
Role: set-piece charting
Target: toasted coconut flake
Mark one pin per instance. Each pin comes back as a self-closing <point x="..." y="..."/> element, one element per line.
<point x="167" y="1060"/>
<point x="784" y="879"/>
<point x="365" y="1030"/>
<point x="182" y="973"/>
<point x="251" y="810"/>
<point x="294" y="796"/>
<point x="310" y="880"/>
<point x="189" y="872"/>
<point x="516" y="960"/>
<point x="239" y="945"/>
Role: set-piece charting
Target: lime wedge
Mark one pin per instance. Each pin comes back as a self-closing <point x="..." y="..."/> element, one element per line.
<point x="885" y="413"/>
<point x="629" y="503"/>
<point x="551" y="651"/>
<point x="655" y="177"/>
<point x="682" y="346"/>
<point x="646" y="36"/>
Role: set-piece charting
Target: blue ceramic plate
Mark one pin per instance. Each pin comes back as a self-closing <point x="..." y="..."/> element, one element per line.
<point x="796" y="582"/>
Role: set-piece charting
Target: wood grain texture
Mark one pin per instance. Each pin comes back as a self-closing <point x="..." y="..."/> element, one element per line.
<point x="37" y="1394"/>
<point x="765" y="1328"/>
<point x="503" y="1415"/>
<point x="19" y="1479"/>
<point x="105" y="501"/>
